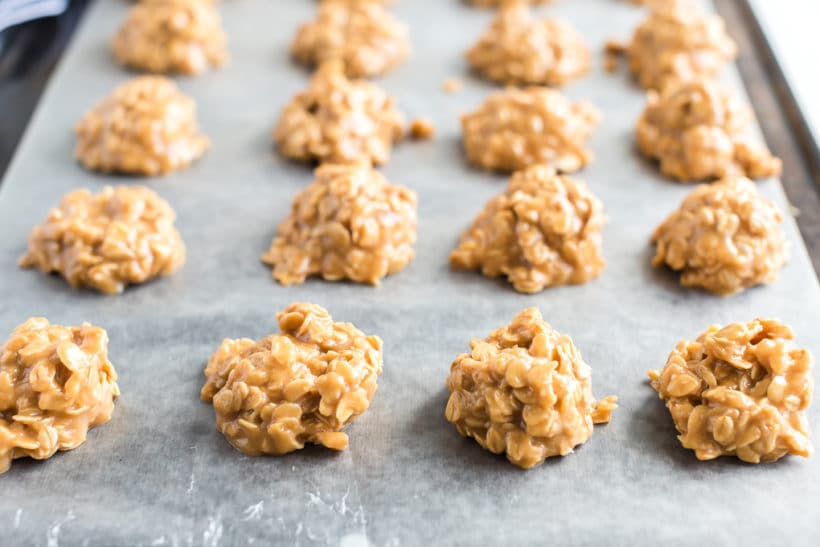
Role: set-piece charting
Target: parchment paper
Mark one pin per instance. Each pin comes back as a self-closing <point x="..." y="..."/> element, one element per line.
<point x="160" y="474"/>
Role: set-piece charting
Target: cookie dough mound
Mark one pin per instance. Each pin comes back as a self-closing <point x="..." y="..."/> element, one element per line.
<point x="741" y="390"/>
<point x="699" y="130"/>
<point x="362" y="35"/>
<point x="55" y="384"/>
<point x="146" y="127"/>
<point x="543" y="231"/>
<point x="350" y="223"/>
<point x="517" y="48"/>
<point x="336" y="119"/>
<point x="724" y="238"/>
<point x="301" y="386"/>
<point x="107" y="240"/>
<point x="517" y="128"/>
<point x="677" y="42"/>
<point x="171" y="36"/>
<point x="525" y="391"/>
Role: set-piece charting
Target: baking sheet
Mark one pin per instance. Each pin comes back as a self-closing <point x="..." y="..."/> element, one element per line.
<point x="160" y="474"/>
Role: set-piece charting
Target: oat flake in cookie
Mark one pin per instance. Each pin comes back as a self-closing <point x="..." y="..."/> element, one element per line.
<point x="336" y="119"/>
<point x="525" y="391"/>
<point x="107" y="240"/>
<point x="740" y="390"/>
<point x="543" y="231"/>
<point x="724" y="238"/>
<point x="171" y="36"/>
<point x="517" y="128"/>
<point x="362" y="35"/>
<point x="699" y="130"/>
<point x="678" y="42"/>
<point x="350" y="223"/>
<point x="146" y="127"/>
<point x="55" y="384"/>
<point x="302" y="386"/>
<point x="518" y="48"/>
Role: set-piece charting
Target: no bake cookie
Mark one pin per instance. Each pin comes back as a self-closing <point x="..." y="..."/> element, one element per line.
<point x="55" y="384"/>
<point x="350" y="223"/>
<point x="725" y="238"/>
<point x="362" y="35"/>
<point x="543" y="231"/>
<point x="740" y="390"/>
<point x="304" y="385"/>
<point x="519" y="48"/>
<point x="517" y="128"/>
<point x="699" y="130"/>
<point x="146" y="127"/>
<point x="678" y="42"/>
<point x="171" y="36"/>
<point x="525" y="391"/>
<point x="105" y="241"/>
<point x="337" y="119"/>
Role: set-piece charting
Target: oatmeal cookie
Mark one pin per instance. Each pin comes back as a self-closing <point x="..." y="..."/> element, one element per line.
<point x="518" y="48"/>
<point x="171" y="36"/>
<point x="362" y="35"/>
<point x="740" y="390"/>
<point x="336" y="119"/>
<point x="105" y="241"/>
<point x="678" y="42"/>
<point x="517" y="128"/>
<point x="146" y="127"/>
<point x="724" y="238"/>
<point x="56" y="383"/>
<point x="699" y="130"/>
<point x="304" y="385"/>
<point x="350" y="223"/>
<point x="525" y="391"/>
<point x="543" y="231"/>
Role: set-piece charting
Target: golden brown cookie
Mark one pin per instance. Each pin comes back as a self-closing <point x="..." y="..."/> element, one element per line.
<point x="525" y="391"/>
<point x="362" y="35"/>
<point x="699" y="130"/>
<point x="519" y="48"/>
<point x="107" y="240"/>
<point x="56" y="383"/>
<point x="678" y="42"/>
<point x="350" y="223"/>
<point x="146" y="127"/>
<point x="517" y="128"/>
<point x="171" y="36"/>
<point x="339" y="120"/>
<point x="543" y="231"/>
<point x="274" y="395"/>
<point x="724" y="238"/>
<point x="740" y="390"/>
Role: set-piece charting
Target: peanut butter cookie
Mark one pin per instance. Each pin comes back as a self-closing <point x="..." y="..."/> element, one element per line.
<point x="56" y="383"/>
<point x="525" y="391"/>
<point x="302" y="386"/>
<point x="678" y="42"/>
<point x="146" y="127"/>
<point x="698" y="130"/>
<point x="107" y="240"/>
<point x="361" y="34"/>
<point x="724" y="238"/>
<point x="350" y="223"/>
<point x="517" y="48"/>
<point x="171" y="36"/>
<point x="543" y="231"/>
<point x="517" y="128"/>
<point x="740" y="390"/>
<point x="336" y="119"/>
